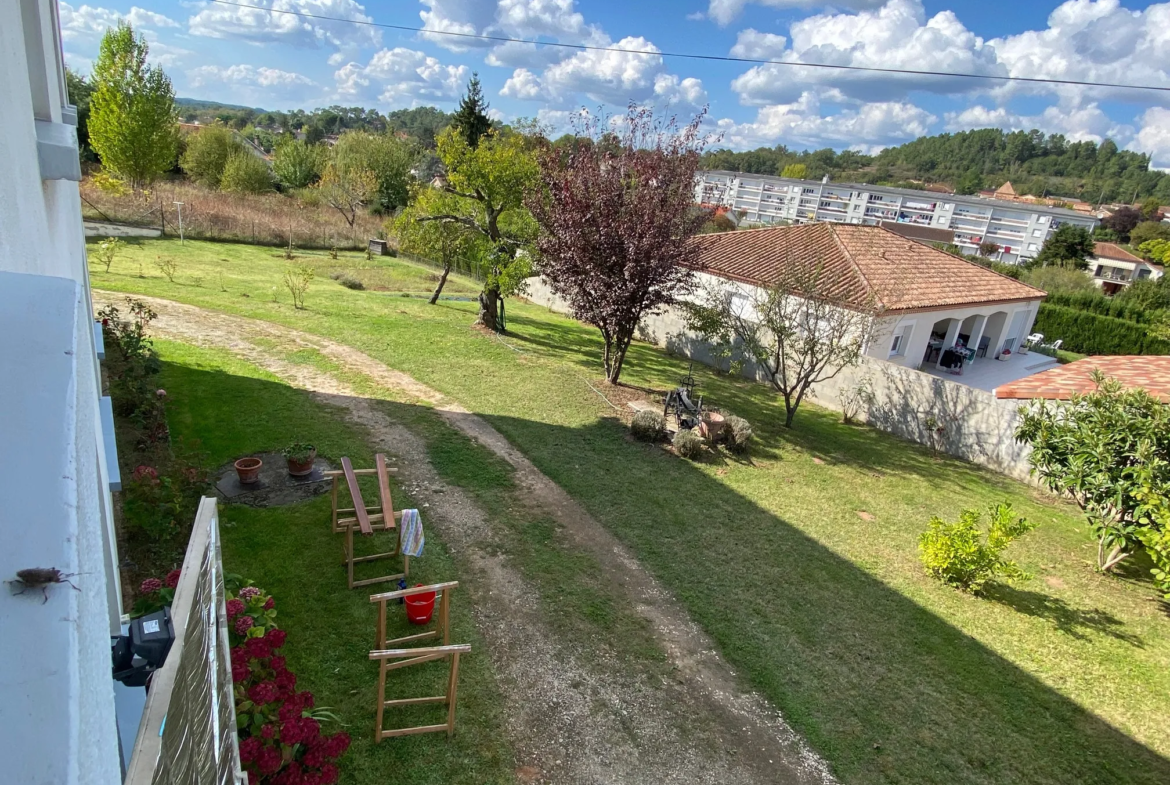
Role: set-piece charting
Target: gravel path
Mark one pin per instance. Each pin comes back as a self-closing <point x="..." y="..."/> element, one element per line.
<point x="573" y="716"/>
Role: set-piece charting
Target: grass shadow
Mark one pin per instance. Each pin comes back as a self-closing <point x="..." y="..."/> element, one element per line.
<point x="1069" y="619"/>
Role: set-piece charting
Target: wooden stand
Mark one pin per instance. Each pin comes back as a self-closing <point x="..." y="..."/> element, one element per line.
<point x="406" y="657"/>
<point x="365" y="518"/>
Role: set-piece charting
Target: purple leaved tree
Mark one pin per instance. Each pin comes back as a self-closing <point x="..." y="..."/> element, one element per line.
<point x="616" y="210"/>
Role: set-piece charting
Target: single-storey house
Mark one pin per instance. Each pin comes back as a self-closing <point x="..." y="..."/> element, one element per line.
<point x="935" y="311"/>
<point x="1113" y="268"/>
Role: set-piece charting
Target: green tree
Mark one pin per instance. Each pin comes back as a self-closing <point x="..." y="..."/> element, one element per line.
<point x="1148" y="230"/>
<point x="969" y="183"/>
<point x="795" y="171"/>
<point x="132" y="123"/>
<point x="1069" y="246"/>
<point x="207" y="153"/>
<point x="471" y="118"/>
<point x="297" y="164"/>
<point x="1147" y="295"/>
<point x="1062" y="280"/>
<point x="387" y="157"/>
<point x="80" y="93"/>
<point x="1109" y="450"/>
<point x="451" y="244"/>
<point x="489" y="182"/>
<point x="246" y="173"/>
<point x="1150" y="209"/>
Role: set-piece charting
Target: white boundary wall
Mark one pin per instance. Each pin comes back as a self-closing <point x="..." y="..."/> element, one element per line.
<point x="976" y="426"/>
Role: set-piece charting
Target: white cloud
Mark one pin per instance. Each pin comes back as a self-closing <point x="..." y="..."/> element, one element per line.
<point x="1154" y="136"/>
<point x="260" y="26"/>
<point x="668" y="88"/>
<point x="90" y="22"/>
<point x="1087" y="123"/>
<point x="759" y="46"/>
<point x="614" y="77"/>
<point x="467" y="17"/>
<point x="725" y="11"/>
<point x="1094" y="41"/>
<point x="898" y="35"/>
<point x="524" y="86"/>
<point x="247" y="75"/>
<point x="401" y="77"/>
<point x="802" y="123"/>
<point x="518" y="55"/>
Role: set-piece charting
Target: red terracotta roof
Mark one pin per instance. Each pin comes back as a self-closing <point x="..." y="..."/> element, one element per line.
<point x="1150" y="372"/>
<point x="1113" y="251"/>
<point x="860" y="265"/>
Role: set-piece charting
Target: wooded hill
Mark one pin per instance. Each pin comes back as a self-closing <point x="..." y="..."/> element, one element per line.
<point x="969" y="161"/>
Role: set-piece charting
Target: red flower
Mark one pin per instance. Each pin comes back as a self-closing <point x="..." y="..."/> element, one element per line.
<point x="275" y="638"/>
<point x="290" y="775"/>
<point x="172" y="579"/>
<point x="270" y="603"/>
<point x="250" y="748"/>
<point x="150" y="586"/>
<point x="314" y="758"/>
<point x="303" y="730"/>
<point x="268" y="730"/>
<point x="277" y="664"/>
<point x="287" y="682"/>
<point x="243" y="624"/>
<point x="329" y="774"/>
<point x="235" y="608"/>
<point x="239" y="671"/>
<point x="248" y="592"/>
<point x="264" y="692"/>
<point x="336" y="745"/>
<point x="269" y="760"/>
<point x="257" y="648"/>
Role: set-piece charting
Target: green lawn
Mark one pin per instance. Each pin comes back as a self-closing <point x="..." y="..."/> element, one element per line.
<point x="891" y="676"/>
<point x="291" y="552"/>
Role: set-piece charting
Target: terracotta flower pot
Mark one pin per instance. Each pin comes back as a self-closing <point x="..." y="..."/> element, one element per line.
<point x="301" y="468"/>
<point x="248" y="470"/>
<point x="712" y="426"/>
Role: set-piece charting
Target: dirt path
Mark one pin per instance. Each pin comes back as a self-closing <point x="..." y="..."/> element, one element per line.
<point x="574" y="717"/>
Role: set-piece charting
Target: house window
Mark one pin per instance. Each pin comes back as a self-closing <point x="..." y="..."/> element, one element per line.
<point x="1033" y="247"/>
<point x="1037" y="232"/>
<point x="901" y="338"/>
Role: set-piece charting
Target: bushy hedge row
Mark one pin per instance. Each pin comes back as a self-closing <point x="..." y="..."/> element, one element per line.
<point x="1097" y="303"/>
<point x="1090" y="333"/>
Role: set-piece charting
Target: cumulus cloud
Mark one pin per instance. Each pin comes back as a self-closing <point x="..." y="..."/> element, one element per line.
<point x="247" y="75"/>
<point x="689" y="91"/>
<point x="1087" y="123"/>
<point x="802" y="122"/>
<point x="1154" y="136"/>
<point x="725" y="11"/>
<point x="1093" y="41"/>
<point x="401" y="77"/>
<point x="896" y="35"/>
<point x="759" y="46"/>
<point x="90" y="22"/>
<point x="260" y="26"/>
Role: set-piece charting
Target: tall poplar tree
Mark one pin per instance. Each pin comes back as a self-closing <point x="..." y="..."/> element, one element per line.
<point x="132" y="122"/>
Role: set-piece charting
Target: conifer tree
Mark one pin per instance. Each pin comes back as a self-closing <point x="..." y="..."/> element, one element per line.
<point x="471" y="117"/>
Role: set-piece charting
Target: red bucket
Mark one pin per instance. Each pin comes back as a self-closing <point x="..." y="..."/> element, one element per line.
<point x="420" y="607"/>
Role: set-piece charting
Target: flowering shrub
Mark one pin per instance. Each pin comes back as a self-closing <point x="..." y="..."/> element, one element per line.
<point x="281" y="742"/>
<point x="154" y="594"/>
<point x="161" y="501"/>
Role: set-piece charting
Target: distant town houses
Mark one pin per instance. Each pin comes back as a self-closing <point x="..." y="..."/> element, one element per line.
<point x="1017" y="226"/>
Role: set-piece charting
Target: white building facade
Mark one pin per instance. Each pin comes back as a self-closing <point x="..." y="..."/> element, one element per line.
<point x="57" y="465"/>
<point x="1019" y="230"/>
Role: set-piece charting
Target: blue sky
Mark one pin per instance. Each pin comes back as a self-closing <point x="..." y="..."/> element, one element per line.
<point x="277" y="61"/>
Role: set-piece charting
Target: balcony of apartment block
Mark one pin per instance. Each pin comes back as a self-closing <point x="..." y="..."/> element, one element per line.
<point x="1004" y="234"/>
<point x="921" y="207"/>
<point x="1009" y="221"/>
<point x="883" y="215"/>
<point x="914" y="218"/>
<point x="831" y="207"/>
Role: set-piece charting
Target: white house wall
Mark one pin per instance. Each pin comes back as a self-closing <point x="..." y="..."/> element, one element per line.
<point x="976" y="426"/>
<point x="922" y="322"/>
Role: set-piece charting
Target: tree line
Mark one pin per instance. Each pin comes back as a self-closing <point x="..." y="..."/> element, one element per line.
<point x="969" y="161"/>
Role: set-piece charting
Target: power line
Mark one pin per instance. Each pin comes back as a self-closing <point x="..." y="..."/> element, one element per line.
<point x="693" y="56"/>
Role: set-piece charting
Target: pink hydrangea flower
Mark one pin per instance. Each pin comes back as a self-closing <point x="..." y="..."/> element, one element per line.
<point x="243" y="624"/>
<point x="247" y="593"/>
<point x="161" y="393"/>
<point x="234" y="608"/>
<point x="150" y="586"/>
<point x="172" y="579"/>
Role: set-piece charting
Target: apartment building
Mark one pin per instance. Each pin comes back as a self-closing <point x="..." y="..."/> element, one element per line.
<point x="1018" y="229"/>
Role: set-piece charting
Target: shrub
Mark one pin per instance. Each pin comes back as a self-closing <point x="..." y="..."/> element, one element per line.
<point x="956" y="554"/>
<point x="297" y="164"/>
<point x="167" y="266"/>
<point x="688" y="443"/>
<point x="855" y="397"/>
<point x="105" y="251"/>
<point x="246" y="174"/>
<point x="348" y="281"/>
<point x="739" y="433"/>
<point x="207" y="154"/>
<point x="648" y="426"/>
<point x="1060" y="279"/>
<point x="297" y="280"/>
<point x="1089" y="333"/>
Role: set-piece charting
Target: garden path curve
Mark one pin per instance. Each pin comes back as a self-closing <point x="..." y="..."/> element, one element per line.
<point x="571" y="718"/>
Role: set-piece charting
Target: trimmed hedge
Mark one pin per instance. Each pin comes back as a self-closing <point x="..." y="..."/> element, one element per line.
<point x="1101" y="305"/>
<point x="1090" y="333"/>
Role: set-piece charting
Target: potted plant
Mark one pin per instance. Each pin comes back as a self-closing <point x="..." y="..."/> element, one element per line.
<point x="248" y="470"/>
<point x="712" y="426"/>
<point x="1005" y="355"/>
<point x="300" y="458"/>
